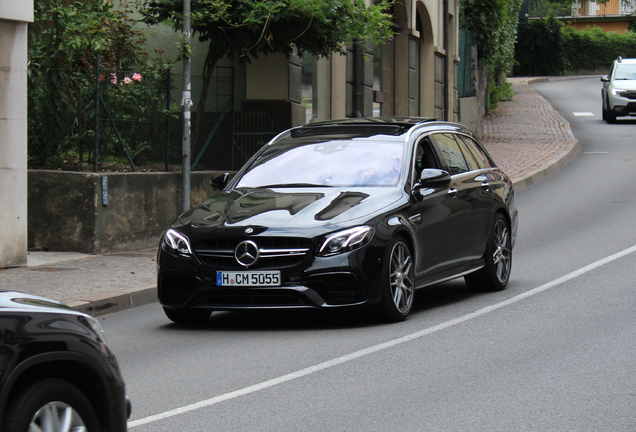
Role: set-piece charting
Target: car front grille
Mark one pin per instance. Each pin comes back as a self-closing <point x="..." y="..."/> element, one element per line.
<point x="274" y="252"/>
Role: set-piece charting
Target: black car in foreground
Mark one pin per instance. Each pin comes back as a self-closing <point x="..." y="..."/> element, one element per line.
<point x="350" y="213"/>
<point x="56" y="372"/>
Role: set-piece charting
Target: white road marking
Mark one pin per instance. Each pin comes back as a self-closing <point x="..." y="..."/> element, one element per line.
<point x="380" y="347"/>
<point x="583" y="114"/>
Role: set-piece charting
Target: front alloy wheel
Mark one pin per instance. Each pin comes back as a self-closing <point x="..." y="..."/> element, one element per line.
<point x="51" y="405"/>
<point x="398" y="291"/>
<point x="57" y="417"/>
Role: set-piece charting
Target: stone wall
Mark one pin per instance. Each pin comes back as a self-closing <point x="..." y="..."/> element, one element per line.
<point x="105" y="212"/>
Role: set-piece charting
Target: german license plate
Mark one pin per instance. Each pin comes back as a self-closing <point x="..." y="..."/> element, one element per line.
<point x="248" y="278"/>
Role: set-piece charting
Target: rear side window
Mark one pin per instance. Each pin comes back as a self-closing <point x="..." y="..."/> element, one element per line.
<point x="477" y="153"/>
<point x="451" y="153"/>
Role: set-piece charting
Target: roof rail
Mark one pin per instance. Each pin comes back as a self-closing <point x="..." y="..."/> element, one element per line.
<point x="620" y="59"/>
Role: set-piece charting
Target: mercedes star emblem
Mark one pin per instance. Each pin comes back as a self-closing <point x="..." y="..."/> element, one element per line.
<point x="246" y="253"/>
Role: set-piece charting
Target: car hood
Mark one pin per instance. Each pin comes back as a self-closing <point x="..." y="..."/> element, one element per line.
<point x="624" y="84"/>
<point x="289" y="208"/>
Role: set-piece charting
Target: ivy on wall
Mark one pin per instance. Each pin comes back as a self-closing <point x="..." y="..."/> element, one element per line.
<point x="494" y="27"/>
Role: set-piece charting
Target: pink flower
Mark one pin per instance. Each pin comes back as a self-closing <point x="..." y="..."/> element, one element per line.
<point x="127" y="80"/>
<point x="136" y="77"/>
<point x="113" y="77"/>
<point x="101" y="77"/>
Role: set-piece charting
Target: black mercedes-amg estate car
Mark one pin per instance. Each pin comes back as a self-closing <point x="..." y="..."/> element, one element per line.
<point x="349" y="213"/>
<point x="56" y="372"/>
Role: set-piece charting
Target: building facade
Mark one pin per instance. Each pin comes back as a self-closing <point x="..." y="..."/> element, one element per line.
<point x="612" y="16"/>
<point x="14" y="18"/>
<point x="412" y="75"/>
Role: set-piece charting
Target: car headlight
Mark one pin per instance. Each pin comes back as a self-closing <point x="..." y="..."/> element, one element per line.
<point x="618" y="91"/>
<point x="347" y="240"/>
<point x="94" y="324"/>
<point x="177" y="243"/>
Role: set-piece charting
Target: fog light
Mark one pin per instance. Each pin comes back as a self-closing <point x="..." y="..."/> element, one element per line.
<point x="618" y="108"/>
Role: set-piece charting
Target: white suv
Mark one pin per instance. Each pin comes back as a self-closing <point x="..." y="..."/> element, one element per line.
<point x="619" y="90"/>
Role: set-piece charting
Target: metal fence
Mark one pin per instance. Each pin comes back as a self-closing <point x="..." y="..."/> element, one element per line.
<point x="106" y="120"/>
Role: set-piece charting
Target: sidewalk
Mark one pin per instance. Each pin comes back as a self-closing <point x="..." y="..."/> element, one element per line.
<point x="526" y="137"/>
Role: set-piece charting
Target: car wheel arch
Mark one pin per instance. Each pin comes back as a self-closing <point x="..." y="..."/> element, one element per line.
<point x="78" y="369"/>
<point x="407" y="236"/>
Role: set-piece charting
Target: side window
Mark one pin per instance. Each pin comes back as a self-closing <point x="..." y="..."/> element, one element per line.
<point x="451" y="153"/>
<point x="425" y="156"/>
<point x="471" y="160"/>
<point x="479" y="155"/>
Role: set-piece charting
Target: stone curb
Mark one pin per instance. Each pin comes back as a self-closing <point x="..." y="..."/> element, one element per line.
<point x="557" y="162"/>
<point x="117" y="301"/>
<point x="553" y="165"/>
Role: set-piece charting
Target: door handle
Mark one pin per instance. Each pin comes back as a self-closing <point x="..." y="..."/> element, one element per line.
<point x="485" y="186"/>
<point x="452" y="192"/>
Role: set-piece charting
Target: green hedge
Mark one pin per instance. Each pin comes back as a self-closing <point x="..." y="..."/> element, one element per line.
<point x="539" y="48"/>
<point x="593" y="49"/>
<point x="547" y="48"/>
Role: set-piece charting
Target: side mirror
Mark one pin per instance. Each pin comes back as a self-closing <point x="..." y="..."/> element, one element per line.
<point x="605" y="78"/>
<point x="433" y="177"/>
<point x="218" y="182"/>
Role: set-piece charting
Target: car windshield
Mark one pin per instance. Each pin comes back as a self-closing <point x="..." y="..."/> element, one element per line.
<point x="625" y="72"/>
<point x="339" y="163"/>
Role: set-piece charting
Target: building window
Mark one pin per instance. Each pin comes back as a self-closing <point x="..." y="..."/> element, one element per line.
<point x="310" y="86"/>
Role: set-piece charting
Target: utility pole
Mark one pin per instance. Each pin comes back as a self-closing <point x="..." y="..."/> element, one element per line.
<point x="186" y="102"/>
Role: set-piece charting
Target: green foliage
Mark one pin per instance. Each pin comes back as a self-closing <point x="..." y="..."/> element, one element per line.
<point x="247" y="28"/>
<point x="498" y="93"/>
<point x="547" y="48"/>
<point x="546" y="8"/>
<point x="539" y="49"/>
<point x="65" y="40"/>
<point x="632" y="26"/>
<point x="494" y="26"/>
<point x="593" y="49"/>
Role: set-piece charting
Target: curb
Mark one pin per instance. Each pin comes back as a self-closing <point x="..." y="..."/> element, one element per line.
<point x="557" y="162"/>
<point x="116" y="301"/>
<point x="553" y="165"/>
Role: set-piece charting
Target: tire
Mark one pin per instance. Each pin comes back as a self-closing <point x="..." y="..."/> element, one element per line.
<point x="398" y="284"/>
<point x="604" y="112"/>
<point x="611" y="117"/>
<point x="495" y="274"/>
<point x="187" y="316"/>
<point x="51" y="402"/>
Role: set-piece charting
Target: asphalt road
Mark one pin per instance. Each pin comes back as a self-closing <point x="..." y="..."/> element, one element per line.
<point x="553" y="352"/>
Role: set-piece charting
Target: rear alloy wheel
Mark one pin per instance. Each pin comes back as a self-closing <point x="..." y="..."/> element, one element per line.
<point x="398" y="287"/>
<point x="187" y="316"/>
<point x="51" y="405"/>
<point x="495" y="274"/>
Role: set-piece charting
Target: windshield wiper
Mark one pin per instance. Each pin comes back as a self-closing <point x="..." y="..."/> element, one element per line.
<point x="291" y="185"/>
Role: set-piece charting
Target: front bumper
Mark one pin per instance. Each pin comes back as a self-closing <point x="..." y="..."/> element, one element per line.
<point x="348" y="279"/>
<point x="622" y="106"/>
